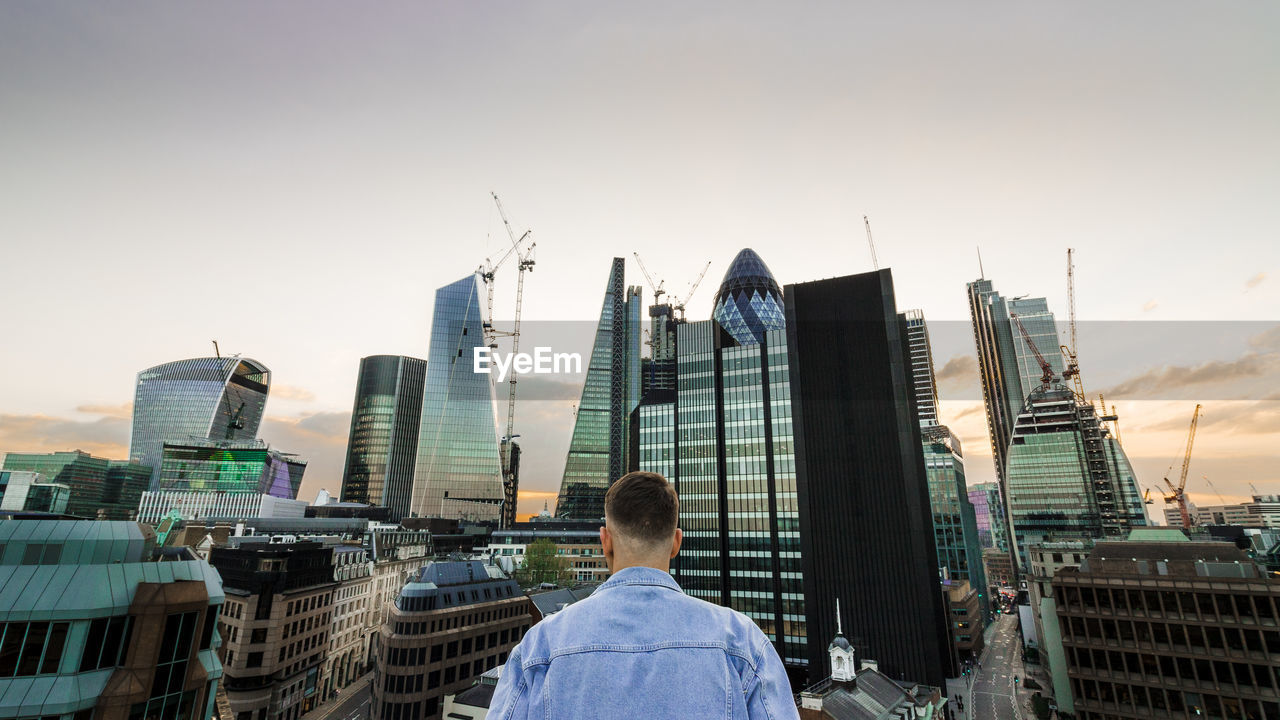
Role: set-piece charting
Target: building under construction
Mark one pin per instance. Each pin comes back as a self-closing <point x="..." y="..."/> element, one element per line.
<point x="1067" y="476"/>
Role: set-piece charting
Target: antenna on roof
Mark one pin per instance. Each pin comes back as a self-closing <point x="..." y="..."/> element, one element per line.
<point x="215" y="349"/>
<point x="982" y="274"/>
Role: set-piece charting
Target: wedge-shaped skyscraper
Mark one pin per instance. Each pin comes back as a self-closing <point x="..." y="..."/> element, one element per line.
<point x="209" y="398"/>
<point x="458" y="473"/>
<point x="597" y="452"/>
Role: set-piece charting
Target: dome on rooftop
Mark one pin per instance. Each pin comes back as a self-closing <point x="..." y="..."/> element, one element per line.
<point x="749" y="301"/>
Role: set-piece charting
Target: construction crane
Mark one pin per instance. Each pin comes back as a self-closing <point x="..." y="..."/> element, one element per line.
<point x="1046" y="371"/>
<point x="658" y="292"/>
<point x="1177" y="495"/>
<point x="489" y="269"/>
<point x="1207" y="481"/>
<point x="1072" y="371"/>
<point x="679" y="304"/>
<point x="1146" y="497"/>
<point x="510" y="481"/>
<point x="875" y="263"/>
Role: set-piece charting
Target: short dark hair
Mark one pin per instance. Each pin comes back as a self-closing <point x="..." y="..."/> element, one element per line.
<point x="643" y="506"/>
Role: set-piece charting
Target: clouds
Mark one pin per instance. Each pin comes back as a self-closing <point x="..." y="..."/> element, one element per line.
<point x="1254" y="281"/>
<point x="320" y="438"/>
<point x="1150" y="305"/>
<point x="1254" y="374"/>
<point x="107" y="436"/>
<point x="124" y="410"/>
<point x="291" y="392"/>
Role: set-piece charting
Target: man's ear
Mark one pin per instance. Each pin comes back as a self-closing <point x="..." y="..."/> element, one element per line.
<point x="606" y="541"/>
<point x="675" y="545"/>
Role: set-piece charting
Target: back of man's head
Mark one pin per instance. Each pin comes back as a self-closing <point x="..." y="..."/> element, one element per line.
<point x="643" y="509"/>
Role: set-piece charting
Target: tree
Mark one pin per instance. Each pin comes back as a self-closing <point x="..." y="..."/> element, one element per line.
<point x="543" y="564"/>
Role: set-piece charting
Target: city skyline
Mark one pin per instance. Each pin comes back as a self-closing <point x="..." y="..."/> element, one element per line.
<point x="1023" y="133"/>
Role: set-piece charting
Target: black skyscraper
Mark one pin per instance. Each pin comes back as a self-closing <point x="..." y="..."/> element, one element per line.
<point x="383" y="445"/>
<point x="865" y="525"/>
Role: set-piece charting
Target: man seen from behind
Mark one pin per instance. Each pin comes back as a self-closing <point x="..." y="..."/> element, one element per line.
<point x="638" y="647"/>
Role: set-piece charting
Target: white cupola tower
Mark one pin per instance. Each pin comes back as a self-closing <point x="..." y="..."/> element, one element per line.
<point x="841" y="652"/>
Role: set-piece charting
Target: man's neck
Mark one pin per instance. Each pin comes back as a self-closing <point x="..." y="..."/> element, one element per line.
<point x="620" y="565"/>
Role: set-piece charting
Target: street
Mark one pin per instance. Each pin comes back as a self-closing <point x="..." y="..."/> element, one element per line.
<point x="993" y="691"/>
<point x="352" y="704"/>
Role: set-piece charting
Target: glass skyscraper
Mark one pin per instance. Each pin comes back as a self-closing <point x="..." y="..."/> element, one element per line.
<point x="749" y="301"/>
<point x="1067" y="477"/>
<point x="923" y="381"/>
<point x="985" y="498"/>
<point x="1007" y="367"/>
<point x="724" y="439"/>
<point x="214" y="398"/>
<point x="230" y="467"/>
<point x="458" y="473"/>
<point x="598" y="449"/>
<point x="385" y="420"/>
<point x="955" y="525"/>
<point x="110" y="488"/>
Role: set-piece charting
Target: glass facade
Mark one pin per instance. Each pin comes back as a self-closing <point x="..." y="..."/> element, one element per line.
<point x="921" y="367"/>
<point x="458" y="474"/>
<point x="1008" y="369"/>
<point x="726" y="442"/>
<point x="1068" y="478"/>
<point x="985" y="498"/>
<point x="232" y="467"/>
<point x="383" y="446"/>
<point x="110" y="488"/>
<point x="215" y="398"/>
<point x="598" y="447"/>
<point x="749" y="301"/>
<point x="955" y="523"/>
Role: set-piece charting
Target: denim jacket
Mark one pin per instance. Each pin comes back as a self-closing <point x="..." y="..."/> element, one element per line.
<point x="638" y="647"/>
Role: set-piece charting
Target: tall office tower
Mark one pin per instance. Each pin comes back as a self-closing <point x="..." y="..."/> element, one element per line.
<point x="383" y="446"/>
<point x="990" y="515"/>
<point x="99" y="622"/>
<point x="724" y="439"/>
<point x="955" y="524"/>
<point x="217" y="398"/>
<point x="749" y="301"/>
<point x="1006" y="365"/>
<point x="865" y="526"/>
<point x="923" y="381"/>
<point x="658" y="371"/>
<point x="458" y="474"/>
<point x="598" y="448"/>
<point x="1067" y="477"/>
<point x="100" y="488"/>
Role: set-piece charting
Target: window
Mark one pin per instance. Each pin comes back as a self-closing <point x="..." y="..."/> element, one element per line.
<point x="175" y="649"/>
<point x="107" y="643"/>
<point x="254" y="660"/>
<point x="259" y="635"/>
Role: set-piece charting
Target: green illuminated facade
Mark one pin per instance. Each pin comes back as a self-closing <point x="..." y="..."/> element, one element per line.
<point x="232" y="467"/>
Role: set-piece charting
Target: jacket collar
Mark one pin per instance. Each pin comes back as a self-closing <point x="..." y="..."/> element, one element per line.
<point x="641" y="576"/>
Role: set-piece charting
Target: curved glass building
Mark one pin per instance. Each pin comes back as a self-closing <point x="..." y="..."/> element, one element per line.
<point x="383" y="446"/>
<point x="1068" y="478"/>
<point x="459" y="472"/>
<point x="213" y="398"/>
<point x="749" y="301"/>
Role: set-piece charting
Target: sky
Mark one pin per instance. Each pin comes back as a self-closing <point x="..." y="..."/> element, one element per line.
<point x="295" y="179"/>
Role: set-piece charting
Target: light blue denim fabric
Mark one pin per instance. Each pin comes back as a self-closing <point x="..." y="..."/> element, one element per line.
<point x="638" y="647"/>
